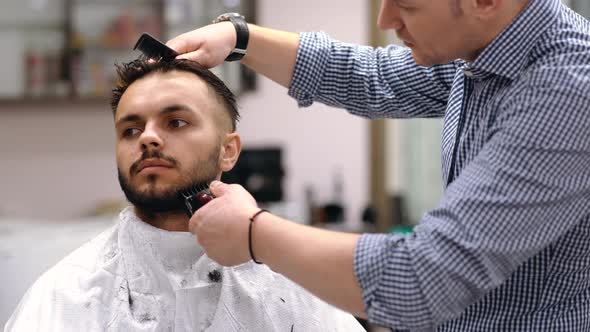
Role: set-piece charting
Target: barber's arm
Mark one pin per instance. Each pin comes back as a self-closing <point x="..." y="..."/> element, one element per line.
<point x="366" y="81"/>
<point x="319" y="260"/>
<point x="271" y="53"/>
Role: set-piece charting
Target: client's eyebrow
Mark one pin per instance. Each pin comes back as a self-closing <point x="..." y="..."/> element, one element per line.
<point x="176" y="108"/>
<point x="167" y="110"/>
<point x="128" y="118"/>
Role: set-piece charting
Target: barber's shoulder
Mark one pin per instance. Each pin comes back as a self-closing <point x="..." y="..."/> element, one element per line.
<point x="554" y="73"/>
<point x="560" y="76"/>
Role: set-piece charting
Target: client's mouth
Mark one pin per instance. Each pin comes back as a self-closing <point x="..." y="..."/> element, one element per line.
<point x="153" y="164"/>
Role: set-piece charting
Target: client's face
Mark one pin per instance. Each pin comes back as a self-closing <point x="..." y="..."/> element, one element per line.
<point x="168" y="139"/>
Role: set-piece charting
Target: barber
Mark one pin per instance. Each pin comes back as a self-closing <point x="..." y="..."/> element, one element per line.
<point x="507" y="247"/>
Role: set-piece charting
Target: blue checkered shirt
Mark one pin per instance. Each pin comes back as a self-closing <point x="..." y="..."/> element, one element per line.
<point x="508" y="246"/>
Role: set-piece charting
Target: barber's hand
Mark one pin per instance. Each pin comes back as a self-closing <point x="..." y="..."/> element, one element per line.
<point x="221" y="226"/>
<point x="209" y="45"/>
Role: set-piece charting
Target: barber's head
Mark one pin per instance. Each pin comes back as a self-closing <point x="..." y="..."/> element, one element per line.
<point x="440" y="31"/>
<point x="175" y="124"/>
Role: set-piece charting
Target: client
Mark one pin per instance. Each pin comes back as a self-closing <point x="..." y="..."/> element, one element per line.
<point x="175" y="125"/>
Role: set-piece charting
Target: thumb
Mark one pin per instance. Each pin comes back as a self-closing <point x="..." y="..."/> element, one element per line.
<point x="218" y="188"/>
<point x="184" y="43"/>
<point x="201" y="57"/>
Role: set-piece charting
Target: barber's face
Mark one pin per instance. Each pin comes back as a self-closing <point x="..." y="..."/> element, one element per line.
<point x="437" y="31"/>
<point x="168" y="139"/>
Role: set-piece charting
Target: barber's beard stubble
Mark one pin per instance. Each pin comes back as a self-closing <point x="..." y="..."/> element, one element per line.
<point x="169" y="200"/>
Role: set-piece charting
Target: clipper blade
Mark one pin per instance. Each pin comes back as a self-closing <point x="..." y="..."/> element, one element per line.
<point x="196" y="197"/>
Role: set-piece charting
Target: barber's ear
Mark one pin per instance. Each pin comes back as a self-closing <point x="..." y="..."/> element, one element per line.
<point x="486" y="9"/>
<point x="230" y="151"/>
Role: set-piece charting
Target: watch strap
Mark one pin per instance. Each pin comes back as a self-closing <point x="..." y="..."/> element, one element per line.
<point x="242" y="37"/>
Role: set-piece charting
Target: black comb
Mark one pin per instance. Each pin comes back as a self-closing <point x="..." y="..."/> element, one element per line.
<point x="196" y="197"/>
<point x="154" y="49"/>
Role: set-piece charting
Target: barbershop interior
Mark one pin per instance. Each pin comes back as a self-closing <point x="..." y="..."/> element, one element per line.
<point x="316" y="165"/>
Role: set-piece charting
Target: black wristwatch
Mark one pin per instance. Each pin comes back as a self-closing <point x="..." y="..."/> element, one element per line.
<point x="242" y="34"/>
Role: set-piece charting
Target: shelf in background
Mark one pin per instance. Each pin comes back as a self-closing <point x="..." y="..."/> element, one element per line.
<point x="69" y="47"/>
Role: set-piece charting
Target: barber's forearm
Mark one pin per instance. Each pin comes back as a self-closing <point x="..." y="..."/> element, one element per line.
<point x="272" y="53"/>
<point x="320" y="261"/>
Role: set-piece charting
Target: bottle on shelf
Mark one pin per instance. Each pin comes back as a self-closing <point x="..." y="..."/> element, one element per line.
<point x="34" y="68"/>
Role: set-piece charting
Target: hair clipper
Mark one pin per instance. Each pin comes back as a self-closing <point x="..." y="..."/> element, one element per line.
<point x="196" y="198"/>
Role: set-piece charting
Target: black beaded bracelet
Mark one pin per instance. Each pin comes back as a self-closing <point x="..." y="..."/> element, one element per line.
<point x="250" y="234"/>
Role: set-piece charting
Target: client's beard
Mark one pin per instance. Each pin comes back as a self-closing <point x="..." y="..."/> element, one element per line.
<point x="171" y="200"/>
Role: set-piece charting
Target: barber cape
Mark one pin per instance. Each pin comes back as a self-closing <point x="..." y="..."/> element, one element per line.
<point x="135" y="277"/>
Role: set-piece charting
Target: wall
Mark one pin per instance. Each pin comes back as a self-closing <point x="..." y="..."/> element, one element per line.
<point x="58" y="162"/>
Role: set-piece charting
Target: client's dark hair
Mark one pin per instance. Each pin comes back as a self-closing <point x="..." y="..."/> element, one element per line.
<point x="127" y="73"/>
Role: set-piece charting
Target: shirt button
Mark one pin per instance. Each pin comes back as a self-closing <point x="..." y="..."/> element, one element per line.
<point x="468" y="73"/>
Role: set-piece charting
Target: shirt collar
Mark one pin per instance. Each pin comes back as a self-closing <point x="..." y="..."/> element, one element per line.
<point x="509" y="53"/>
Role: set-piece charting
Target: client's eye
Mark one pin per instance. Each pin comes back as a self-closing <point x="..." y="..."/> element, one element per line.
<point x="130" y="132"/>
<point x="177" y="123"/>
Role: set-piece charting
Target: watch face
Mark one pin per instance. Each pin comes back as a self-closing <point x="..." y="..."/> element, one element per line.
<point x="233" y="15"/>
<point x="227" y="16"/>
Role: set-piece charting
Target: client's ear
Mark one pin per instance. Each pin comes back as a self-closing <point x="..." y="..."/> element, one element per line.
<point x="230" y="151"/>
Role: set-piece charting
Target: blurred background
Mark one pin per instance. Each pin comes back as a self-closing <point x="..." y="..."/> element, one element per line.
<point x="318" y="166"/>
